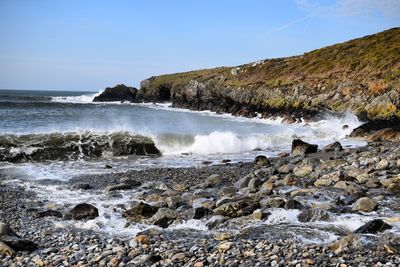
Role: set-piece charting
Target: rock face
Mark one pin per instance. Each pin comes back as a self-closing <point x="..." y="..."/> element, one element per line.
<point x="82" y="211"/>
<point x="119" y="92"/>
<point x="10" y="242"/>
<point x="302" y="148"/>
<point x="297" y="86"/>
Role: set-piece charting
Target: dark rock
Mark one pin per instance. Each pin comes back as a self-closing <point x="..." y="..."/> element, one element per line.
<point x="82" y="186"/>
<point x="164" y="217"/>
<point x="351" y="199"/>
<point x="262" y="161"/>
<point x="302" y="148"/>
<point x="312" y="215"/>
<point x="373" y="227"/>
<point x="139" y="211"/>
<point x="82" y="211"/>
<point x="336" y="146"/>
<point x="118" y="187"/>
<point x="108" y="167"/>
<point x="14" y="241"/>
<point x="49" y="213"/>
<point x="273" y="202"/>
<point x="117" y="93"/>
<point x="293" y="204"/>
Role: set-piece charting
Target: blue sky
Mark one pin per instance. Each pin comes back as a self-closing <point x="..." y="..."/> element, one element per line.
<point x="88" y="45"/>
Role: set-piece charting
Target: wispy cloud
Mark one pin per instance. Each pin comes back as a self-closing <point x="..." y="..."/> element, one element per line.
<point x="388" y="8"/>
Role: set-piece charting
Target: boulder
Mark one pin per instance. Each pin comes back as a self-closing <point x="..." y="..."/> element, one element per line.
<point x="336" y="146"/>
<point x="273" y="202"/>
<point x="302" y="148"/>
<point x="373" y="227"/>
<point x="82" y="211"/>
<point x="118" y="187"/>
<point x="365" y="204"/>
<point x="139" y="211"/>
<point x="164" y="217"/>
<point x="382" y="165"/>
<point x="117" y="93"/>
<point x="48" y="213"/>
<point x="10" y="242"/>
<point x="213" y="180"/>
<point x="303" y="170"/>
<point x="238" y="207"/>
<point x="293" y="204"/>
<point x="262" y="161"/>
<point x="312" y="215"/>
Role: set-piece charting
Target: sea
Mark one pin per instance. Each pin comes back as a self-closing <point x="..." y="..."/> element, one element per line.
<point x="185" y="139"/>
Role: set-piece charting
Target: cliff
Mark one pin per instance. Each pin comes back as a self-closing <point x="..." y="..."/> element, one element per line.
<point x="361" y="75"/>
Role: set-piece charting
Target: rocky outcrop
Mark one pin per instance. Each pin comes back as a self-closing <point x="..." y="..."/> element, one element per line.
<point x="359" y="75"/>
<point x="119" y="92"/>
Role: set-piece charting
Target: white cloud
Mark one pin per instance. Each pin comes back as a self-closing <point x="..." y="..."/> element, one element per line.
<point x="388" y="8"/>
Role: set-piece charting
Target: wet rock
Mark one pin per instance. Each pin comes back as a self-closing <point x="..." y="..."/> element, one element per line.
<point x="82" y="211"/>
<point x="300" y="147"/>
<point x="119" y="92"/>
<point x="273" y="202"/>
<point x="11" y="242"/>
<point x="238" y="207"/>
<point x="262" y="161"/>
<point x="254" y="184"/>
<point x="293" y="204"/>
<point x="82" y="186"/>
<point x="48" y="213"/>
<point x="288" y="120"/>
<point x="164" y="217"/>
<point x="336" y="146"/>
<point x="373" y="227"/>
<point x="116" y="187"/>
<point x="323" y="182"/>
<point x="260" y="215"/>
<point x="139" y="211"/>
<point x="285" y="169"/>
<point x="349" y="200"/>
<point x="312" y="215"/>
<point x="348" y="242"/>
<point x="365" y="204"/>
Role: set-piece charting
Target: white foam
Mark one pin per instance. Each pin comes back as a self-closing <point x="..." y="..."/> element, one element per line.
<point x="279" y="216"/>
<point x="190" y="224"/>
<point x="87" y="98"/>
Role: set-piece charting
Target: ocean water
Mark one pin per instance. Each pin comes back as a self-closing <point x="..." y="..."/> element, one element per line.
<point x="185" y="138"/>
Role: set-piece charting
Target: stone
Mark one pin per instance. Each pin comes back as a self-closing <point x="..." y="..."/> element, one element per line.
<point x="214" y="180"/>
<point x="238" y="207"/>
<point x="312" y="215"/>
<point x="142" y="239"/>
<point x="373" y="227"/>
<point x="382" y="165"/>
<point x="262" y="161"/>
<point x="224" y="246"/>
<point x="49" y="213"/>
<point x="273" y="202"/>
<point x="254" y="184"/>
<point x="82" y="186"/>
<point x="293" y="204"/>
<point x="260" y="215"/>
<point x="323" y="182"/>
<point x="365" y="204"/>
<point x="300" y="147"/>
<point x="178" y="257"/>
<point x="118" y="187"/>
<point x="164" y="217"/>
<point x="82" y="211"/>
<point x="303" y="170"/>
<point x="243" y="182"/>
<point x="139" y="211"/>
<point x="336" y="146"/>
<point x="348" y="242"/>
<point x="11" y="242"/>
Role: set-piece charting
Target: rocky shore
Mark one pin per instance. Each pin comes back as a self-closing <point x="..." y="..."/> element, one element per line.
<point x="335" y="207"/>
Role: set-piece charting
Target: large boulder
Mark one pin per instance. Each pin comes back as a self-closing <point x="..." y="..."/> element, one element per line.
<point x="238" y="207"/>
<point x="10" y="242"/>
<point x="373" y="227"/>
<point x="365" y="204"/>
<point x="164" y="217"/>
<point x="82" y="211"/>
<point x="312" y="215"/>
<point x="117" y="93"/>
<point x="302" y="148"/>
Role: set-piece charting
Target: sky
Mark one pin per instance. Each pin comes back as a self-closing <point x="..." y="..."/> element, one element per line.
<point x="89" y="45"/>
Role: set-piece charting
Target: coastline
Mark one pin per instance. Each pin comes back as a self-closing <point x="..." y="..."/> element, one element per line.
<point x="232" y="240"/>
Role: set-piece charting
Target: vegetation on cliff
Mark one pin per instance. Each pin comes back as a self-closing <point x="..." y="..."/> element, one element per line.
<point x="362" y="75"/>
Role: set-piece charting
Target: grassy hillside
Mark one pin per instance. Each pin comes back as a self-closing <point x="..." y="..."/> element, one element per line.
<point x="368" y="67"/>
